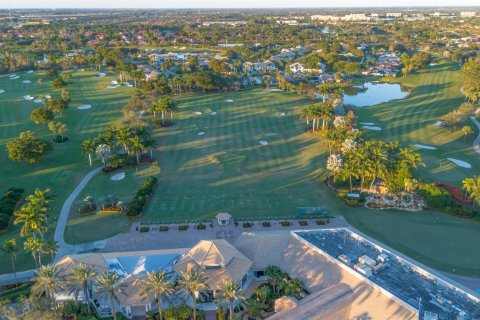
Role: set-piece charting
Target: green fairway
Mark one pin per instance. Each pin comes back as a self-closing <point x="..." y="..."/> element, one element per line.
<point x="436" y="91"/>
<point x="64" y="167"/>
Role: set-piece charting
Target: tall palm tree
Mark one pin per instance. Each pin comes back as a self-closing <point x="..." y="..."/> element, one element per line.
<point x="110" y="284"/>
<point x="47" y="281"/>
<point x="230" y="291"/>
<point x="50" y="247"/>
<point x="158" y="283"/>
<point x="153" y="108"/>
<point x="472" y="186"/>
<point x="137" y="146"/>
<point x="89" y="147"/>
<point x="33" y="223"/>
<point x="9" y="248"/>
<point x="35" y="246"/>
<point x="411" y="158"/>
<point x="123" y="137"/>
<point x="326" y="111"/>
<point x="192" y="282"/>
<point x="80" y="280"/>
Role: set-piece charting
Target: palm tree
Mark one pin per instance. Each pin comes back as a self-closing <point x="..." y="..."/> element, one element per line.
<point x="157" y="282"/>
<point x="254" y="308"/>
<point x="33" y="222"/>
<point x="411" y="158"/>
<point x="103" y="153"/>
<point x="80" y="280"/>
<point x="48" y="280"/>
<point x="326" y="111"/>
<point x="88" y="147"/>
<point x="137" y="146"/>
<point x="306" y="113"/>
<point x="192" y="282"/>
<point x="275" y="276"/>
<point x="110" y="284"/>
<point x="472" y="186"/>
<point x="35" y="246"/>
<point x="230" y="291"/>
<point x="153" y="108"/>
<point x="124" y="134"/>
<point x="9" y="248"/>
<point x="50" y="247"/>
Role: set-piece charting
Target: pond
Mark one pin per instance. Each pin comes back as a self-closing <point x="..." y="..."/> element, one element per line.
<point x="371" y="94"/>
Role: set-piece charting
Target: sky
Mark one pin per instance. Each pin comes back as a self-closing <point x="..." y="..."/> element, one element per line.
<point x="6" y="4"/>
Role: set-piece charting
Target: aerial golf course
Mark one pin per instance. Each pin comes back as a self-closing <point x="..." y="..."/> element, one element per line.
<point x="246" y="153"/>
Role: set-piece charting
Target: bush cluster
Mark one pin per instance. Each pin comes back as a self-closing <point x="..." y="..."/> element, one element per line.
<point x="456" y="193"/>
<point x="247" y="225"/>
<point x="140" y="200"/>
<point x="163" y="228"/>
<point x="201" y="226"/>
<point x="434" y="196"/>
<point x="285" y="223"/>
<point x="266" y="224"/>
<point x="303" y="223"/>
<point x="8" y="204"/>
<point x="183" y="228"/>
<point x="144" y="229"/>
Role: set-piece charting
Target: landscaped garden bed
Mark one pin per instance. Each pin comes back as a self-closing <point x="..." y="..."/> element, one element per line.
<point x="139" y="202"/>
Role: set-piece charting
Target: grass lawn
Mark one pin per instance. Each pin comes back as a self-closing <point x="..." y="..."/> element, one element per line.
<point x="79" y="228"/>
<point x="436" y="91"/>
<point x="64" y="167"/>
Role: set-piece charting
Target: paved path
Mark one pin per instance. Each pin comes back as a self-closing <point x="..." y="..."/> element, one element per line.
<point x="476" y="143"/>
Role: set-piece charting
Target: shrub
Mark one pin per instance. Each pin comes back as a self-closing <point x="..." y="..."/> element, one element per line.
<point x="285" y="223"/>
<point x="4" y="219"/>
<point x="8" y="203"/>
<point x="320" y="222"/>
<point x="303" y="223"/>
<point x="456" y="193"/>
<point x="266" y="224"/>
<point x="138" y="203"/>
<point x="247" y="225"/>
<point x="460" y="211"/>
<point x="163" y="228"/>
<point x="201" y="226"/>
<point x="183" y="227"/>
<point x="144" y="229"/>
<point x="434" y="196"/>
<point x="121" y="160"/>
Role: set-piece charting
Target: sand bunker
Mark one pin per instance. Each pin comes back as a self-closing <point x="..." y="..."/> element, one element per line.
<point x="84" y="107"/>
<point x="263" y="143"/>
<point x="28" y="97"/>
<point x="367" y="123"/>
<point x="118" y="176"/>
<point x="37" y="100"/>
<point x="82" y="70"/>
<point x="432" y="64"/>
<point x="197" y="113"/>
<point x="460" y="163"/>
<point x="15" y="77"/>
<point x="282" y="114"/>
<point x="2" y="91"/>
<point x="229" y="100"/>
<point x="438" y="124"/>
<point x="372" y="128"/>
<point x="113" y="87"/>
<point x="100" y="75"/>
<point x="275" y="90"/>
<point x="422" y="146"/>
<point x="213" y="113"/>
<point x="26" y="81"/>
<point x="30" y="71"/>
<point x="113" y="82"/>
<point x="127" y="84"/>
<point x="201" y="133"/>
<point x="47" y="96"/>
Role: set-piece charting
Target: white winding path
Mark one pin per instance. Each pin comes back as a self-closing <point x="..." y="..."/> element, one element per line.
<point x="476" y="143"/>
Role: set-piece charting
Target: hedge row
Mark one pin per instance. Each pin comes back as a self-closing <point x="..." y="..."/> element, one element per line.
<point x="140" y="200"/>
<point x="8" y="204"/>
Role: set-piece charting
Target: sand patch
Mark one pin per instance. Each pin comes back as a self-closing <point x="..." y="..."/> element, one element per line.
<point x="367" y="123"/>
<point x="197" y="113"/>
<point x="127" y="84"/>
<point x="13" y="75"/>
<point x="2" y="91"/>
<point x="263" y="142"/>
<point x="113" y="82"/>
<point x="275" y="90"/>
<point x="118" y="176"/>
<point x="37" y="100"/>
<point x="84" y="107"/>
<point x="14" y="78"/>
<point x="47" y="96"/>
<point x="100" y="75"/>
<point x="201" y="133"/>
<point x="82" y="70"/>
<point x="229" y="100"/>
<point x="113" y="87"/>
<point x="438" y="124"/>
<point x="460" y="163"/>
<point x="422" y="146"/>
<point x="374" y="128"/>
<point x="28" y="97"/>
<point x="30" y="71"/>
<point x="432" y="64"/>
<point x="282" y="114"/>
<point x="27" y="81"/>
<point x="213" y="113"/>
